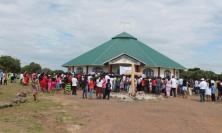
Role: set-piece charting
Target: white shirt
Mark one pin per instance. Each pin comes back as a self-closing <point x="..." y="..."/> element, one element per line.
<point x="74" y="81"/>
<point x="180" y="81"/>
<point x="173" y="83"/>
<point x="99" y="83"/>
<point x="21" y="76"/>
<point x="203" y="85"/>
<point x="107" y="77"/>
<point x="196" y="84"/>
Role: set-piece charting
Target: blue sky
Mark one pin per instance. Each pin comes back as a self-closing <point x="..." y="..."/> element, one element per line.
<point x="51" y="32"/>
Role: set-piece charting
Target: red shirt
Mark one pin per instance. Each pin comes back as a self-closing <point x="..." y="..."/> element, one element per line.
<point x="154" y="83"/>
<point x="91" y="84"/>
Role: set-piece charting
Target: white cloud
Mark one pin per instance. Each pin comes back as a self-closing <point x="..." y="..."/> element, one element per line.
<point x="52" y="32"/>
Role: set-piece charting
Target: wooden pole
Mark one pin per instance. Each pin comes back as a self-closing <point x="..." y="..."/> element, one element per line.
<point x="133" y="92"/>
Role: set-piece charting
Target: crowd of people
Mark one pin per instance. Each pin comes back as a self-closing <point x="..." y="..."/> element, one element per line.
<point x="103" y="84"/>
<point x="4" y="77"/>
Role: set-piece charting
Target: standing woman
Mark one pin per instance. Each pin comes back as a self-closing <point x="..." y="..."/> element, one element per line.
<point x="5" y="78"/>
<point x="35" y="86"/>
<point x="91" y="87"/>
<point x="84" y="88"/>
<point x="208" y="92"/>
<point x="49" y="84"/>
<point x="104" y="86"/>
<point x="121" y="85"/>
<point x="168" y="87"/>
<point x="43" y="82"/>
<point x="68" y="81"/>
<point x="184" y="88"/>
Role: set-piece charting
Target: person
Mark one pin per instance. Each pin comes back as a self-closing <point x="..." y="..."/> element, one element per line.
<point x="180" y="86"/>
<point x="154" y="85"/>
<point x="107" y="90"/>
<point x="158" y="86"/>
<point x="103" y="85"/>
<point x="21" y="78"/>
<point x="208" y="92"/>
<point x="203" y="87"/>
<point x="98" y="88"/>
<point x="143" y="85"/>
<point x="25" y="79"/>
<point x="43" y="82"/>
<point x="84" y="85"/>
<point x="213" y="89"/>
<point x="68" y="81"/>
<point x="196" y="87"/>
<point x="118" y="84"/>
<point x="58" y="83"/>
<point x="74" y="85"/>
<point x="49" y="84"/>
<point x="91" y="87"/>
<point x="184" y="88"/>
<point x="35" y="86"/>
<point x="1" y="77"/>
<point x="173" y="86"/>
<point x="219" y="87"/>
<point x="168" y="87"/>
<point x="5" y="78"/>
<point x="121" y="85"/>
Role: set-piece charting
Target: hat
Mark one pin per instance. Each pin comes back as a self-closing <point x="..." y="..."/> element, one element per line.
<point x="202" y="79"/>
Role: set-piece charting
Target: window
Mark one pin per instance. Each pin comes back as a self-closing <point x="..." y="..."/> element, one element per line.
<point x="79" y="70"/>
<point x="148" y="72"/>
<point x="167" y="73"/>
<point x="97" y="69"/>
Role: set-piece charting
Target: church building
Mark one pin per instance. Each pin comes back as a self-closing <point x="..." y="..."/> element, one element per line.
<point x="121" y="52"/>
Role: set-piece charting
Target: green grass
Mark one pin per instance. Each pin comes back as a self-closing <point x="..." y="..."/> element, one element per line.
<point x="44" y="116"/>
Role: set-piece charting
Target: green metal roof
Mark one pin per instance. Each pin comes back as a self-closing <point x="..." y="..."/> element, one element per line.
<point x="124" y="43"/>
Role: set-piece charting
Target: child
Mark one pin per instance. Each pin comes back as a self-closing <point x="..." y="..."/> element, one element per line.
<point x="107" y="90"/>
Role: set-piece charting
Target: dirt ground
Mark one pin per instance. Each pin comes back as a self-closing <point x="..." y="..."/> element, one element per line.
<point x="173" y="115"/>
<point x="71" y="114"/>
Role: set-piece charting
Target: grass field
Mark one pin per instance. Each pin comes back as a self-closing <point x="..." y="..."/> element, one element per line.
<point x="72" y="114"/>
<point x="47" y="115"/>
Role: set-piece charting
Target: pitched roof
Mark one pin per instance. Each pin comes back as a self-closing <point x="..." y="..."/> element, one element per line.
<point x="124" y="43"/>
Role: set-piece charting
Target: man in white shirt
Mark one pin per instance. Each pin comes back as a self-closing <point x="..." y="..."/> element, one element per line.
<point x="173" y="86"/>
<point x="203" y="86"/>
<point x="196" y="87"/>
<point x="180" y="82"/>
<point x="74" y="85"/>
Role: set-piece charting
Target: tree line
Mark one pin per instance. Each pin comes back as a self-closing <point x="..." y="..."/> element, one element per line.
<point x="197" y="74"/>
<point x="11" y="64"/>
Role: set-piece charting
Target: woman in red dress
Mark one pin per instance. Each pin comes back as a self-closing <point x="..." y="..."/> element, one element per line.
<point x="43" y="82"/>
<point x="25" y="79"/>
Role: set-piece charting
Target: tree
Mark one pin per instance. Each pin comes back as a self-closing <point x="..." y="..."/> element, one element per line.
<point x="47" y="71"/>
<point x="58" y="71"/>
<point x="197" y="74"/>
<point x="35" y="67"/>
<point x="10" y="64"/>
<point x="32" y="67"/>
<point x="26" y="69"/>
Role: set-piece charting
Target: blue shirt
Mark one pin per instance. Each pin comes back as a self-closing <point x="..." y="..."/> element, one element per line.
<point x="1" y="74"/>
<point x="212" y="89"/>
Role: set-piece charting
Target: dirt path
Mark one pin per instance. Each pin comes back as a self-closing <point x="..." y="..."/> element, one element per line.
<point x="174" y="115"/>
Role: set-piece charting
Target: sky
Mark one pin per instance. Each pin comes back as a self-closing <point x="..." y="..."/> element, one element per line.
<point x="52" y="32"/>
